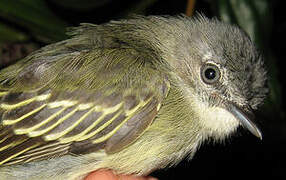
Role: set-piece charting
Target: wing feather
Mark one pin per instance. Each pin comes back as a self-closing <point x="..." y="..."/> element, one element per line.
<point x="91" y="98"/>
<point x="41" y="152"/>
<point x="10" y="153"/>
<point x="38" y="121"/>
<point x="65" y="123"/>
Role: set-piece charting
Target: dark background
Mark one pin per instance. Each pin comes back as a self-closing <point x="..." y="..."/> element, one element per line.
<point x="26" y="25"/>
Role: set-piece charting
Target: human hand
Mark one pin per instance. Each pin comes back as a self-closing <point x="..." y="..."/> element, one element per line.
<point x="109" y="175"/>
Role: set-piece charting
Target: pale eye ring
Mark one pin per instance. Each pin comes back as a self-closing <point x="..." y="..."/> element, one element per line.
<point x="210" y="73"/>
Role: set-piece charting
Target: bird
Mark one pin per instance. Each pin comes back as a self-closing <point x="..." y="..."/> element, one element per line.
<point x="131" y="95"/>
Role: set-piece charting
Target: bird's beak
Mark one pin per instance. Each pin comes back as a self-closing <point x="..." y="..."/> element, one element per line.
<point x="246" y="119"/>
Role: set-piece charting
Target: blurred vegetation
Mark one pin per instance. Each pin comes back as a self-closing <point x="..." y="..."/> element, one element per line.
<point x="26" y="25"/>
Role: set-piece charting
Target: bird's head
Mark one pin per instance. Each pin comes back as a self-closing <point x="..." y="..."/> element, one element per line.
<point x="221" y="73"/>
<point x="215" y="64"/>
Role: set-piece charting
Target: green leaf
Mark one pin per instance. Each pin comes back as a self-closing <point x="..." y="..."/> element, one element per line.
<point x="34" y="16"/>
<point x="8" y="34"/>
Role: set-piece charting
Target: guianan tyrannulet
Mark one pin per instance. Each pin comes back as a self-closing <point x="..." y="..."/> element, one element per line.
<point x="131" y="95"/>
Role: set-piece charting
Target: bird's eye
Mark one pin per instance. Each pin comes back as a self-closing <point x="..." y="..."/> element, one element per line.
<point x="210" y="73"/>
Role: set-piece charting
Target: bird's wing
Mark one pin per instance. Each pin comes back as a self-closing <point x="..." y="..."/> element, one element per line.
<point x="81" y="102"/>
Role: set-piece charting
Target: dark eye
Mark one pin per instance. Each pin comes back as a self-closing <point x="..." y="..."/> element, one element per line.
<point x="210" y="73"/>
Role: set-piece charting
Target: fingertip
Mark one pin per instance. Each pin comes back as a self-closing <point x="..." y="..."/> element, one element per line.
<point x="109" y="175"/>
<point x="132" y="177"/>
<point x="152" y="178"/>
<point x="101" y="175"/>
